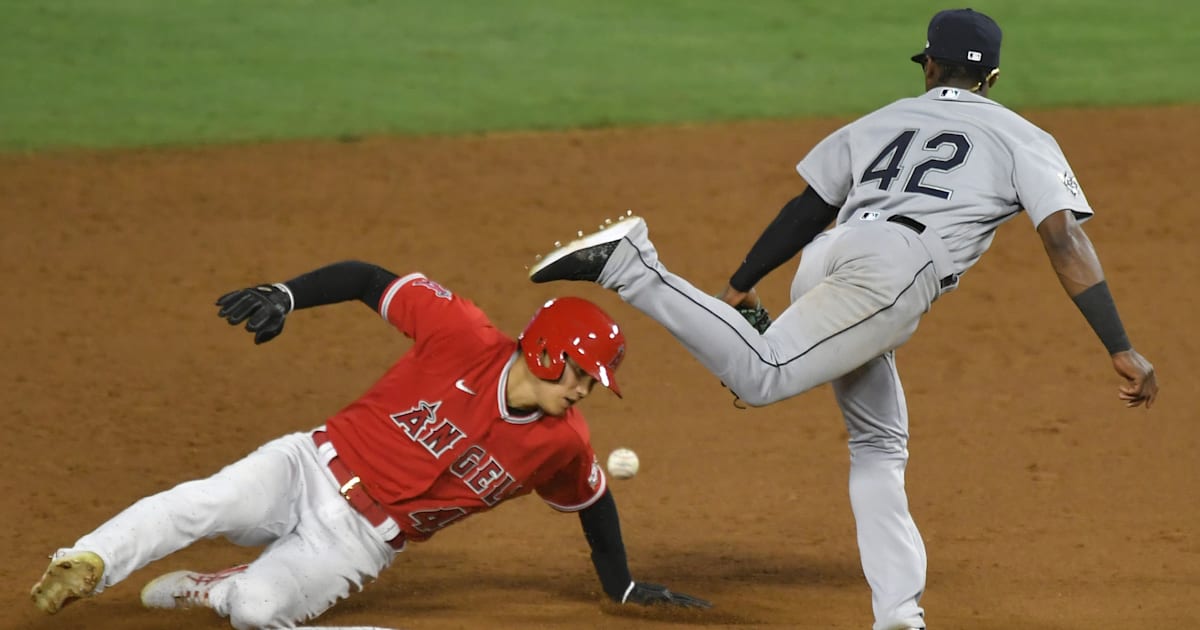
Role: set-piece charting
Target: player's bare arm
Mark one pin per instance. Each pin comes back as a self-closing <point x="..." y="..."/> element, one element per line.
<point x="1078" y="267"/>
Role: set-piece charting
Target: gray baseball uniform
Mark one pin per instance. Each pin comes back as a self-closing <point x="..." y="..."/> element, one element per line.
<point x="922" y="184"/>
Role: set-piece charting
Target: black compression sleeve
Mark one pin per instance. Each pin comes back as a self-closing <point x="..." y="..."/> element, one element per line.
<point x="1096" y="304"/>
<point x="602" y="528"/>
<point x="339" y="282"/>
<point x="800" y="220"/>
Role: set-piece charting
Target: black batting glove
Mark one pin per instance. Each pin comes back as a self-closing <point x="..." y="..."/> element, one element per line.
<point x="647" y="594"/>
<point x="263" y="308"/>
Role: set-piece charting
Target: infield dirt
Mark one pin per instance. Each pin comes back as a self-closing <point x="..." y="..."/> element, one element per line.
<point x="1044" y="503"/>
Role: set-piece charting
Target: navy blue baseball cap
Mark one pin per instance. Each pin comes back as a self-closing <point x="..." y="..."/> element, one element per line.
<point x="962" y="36"/>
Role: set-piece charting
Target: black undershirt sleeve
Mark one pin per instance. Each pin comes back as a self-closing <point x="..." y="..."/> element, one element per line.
<point x="340" y="282"/>
<point x="602" y="528"/>
<point x="798" y="223"/>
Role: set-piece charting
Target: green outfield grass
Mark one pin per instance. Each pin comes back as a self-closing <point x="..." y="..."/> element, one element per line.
<point x="100" y="73"/>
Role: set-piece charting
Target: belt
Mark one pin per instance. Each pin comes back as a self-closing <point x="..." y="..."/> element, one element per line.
<point x="350" y="487"/>
<point x="919" y="228"/>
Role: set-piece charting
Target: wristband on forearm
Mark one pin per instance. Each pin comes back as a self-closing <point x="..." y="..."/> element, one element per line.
<point x="1096" y="304"/>
<point x="291" y="298"/>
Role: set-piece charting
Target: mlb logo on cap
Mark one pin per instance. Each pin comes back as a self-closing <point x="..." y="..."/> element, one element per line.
<point x="963" y="36"/>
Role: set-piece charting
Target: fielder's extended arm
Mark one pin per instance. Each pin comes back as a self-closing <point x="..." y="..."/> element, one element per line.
<point x="1079" y="271"/>
<point x="797" y="224"/>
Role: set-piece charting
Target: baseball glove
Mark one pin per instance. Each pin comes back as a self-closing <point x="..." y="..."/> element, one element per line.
<point x="756" y="315"/>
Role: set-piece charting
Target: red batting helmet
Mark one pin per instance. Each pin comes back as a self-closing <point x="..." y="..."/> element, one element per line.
<point x="575" y="328"/>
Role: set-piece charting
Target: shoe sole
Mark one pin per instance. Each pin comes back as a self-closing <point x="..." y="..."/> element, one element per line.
<point x="610" y="234"/>
<point x="66" y="580"/>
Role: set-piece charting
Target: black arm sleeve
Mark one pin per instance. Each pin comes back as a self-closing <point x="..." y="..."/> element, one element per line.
<point x="340" y="282"/>
<point x="602" y="528"/>
<point x="1096" y="304"/>
<point x="798" y="223"/>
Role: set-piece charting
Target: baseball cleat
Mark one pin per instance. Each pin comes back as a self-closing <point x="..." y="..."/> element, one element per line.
<point x="184" y="589"/>
<point x="584" y="258"/>
<point x="69" y="577"/>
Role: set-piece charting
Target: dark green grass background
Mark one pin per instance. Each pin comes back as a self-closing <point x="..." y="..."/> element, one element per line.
<point x="98" y="73"/>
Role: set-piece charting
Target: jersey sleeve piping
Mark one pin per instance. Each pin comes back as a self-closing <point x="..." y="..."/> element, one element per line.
<point x="386" y="301"/>
<point x="600" y="488"/>
<point x="1080" y="215"/>
<point x="1081" y="211"/>
<point x="818" y="187"/>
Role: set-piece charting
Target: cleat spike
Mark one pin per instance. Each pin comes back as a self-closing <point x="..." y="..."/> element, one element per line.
<point x="537" y="258"/>
<point x="557" y="244"/>
<point x="579" y="234"/>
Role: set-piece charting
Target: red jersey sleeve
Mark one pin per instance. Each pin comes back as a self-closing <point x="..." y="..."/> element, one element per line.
<point x="421" y="308"/>
<point x="581" y="482"/>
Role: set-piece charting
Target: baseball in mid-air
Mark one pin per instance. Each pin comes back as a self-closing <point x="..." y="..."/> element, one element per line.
<point x="622" y="463"/>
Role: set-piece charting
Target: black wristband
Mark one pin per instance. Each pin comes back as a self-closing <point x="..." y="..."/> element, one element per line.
<point x="1096" y="304"/>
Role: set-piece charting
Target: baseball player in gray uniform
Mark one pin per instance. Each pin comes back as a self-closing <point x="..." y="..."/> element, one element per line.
<point x="917" y="189"/>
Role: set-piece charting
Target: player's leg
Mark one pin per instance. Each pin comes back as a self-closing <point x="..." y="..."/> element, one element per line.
<point x="859" y="293"/>
<point x="247" y="501"/>
<point x="891" y="549"/>
<point x="301" y="575"/>
<point x="305" y="573"/>
<point x="329" y="549"/>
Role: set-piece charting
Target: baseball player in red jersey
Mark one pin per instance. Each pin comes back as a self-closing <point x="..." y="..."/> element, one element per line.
<point x="464" y="420"/>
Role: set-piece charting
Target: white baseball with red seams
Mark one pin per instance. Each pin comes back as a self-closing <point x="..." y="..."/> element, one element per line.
<point x="622" y="463"/>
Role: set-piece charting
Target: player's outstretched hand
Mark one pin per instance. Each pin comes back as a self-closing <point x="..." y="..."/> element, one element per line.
<point x="648" y="594"/>
<point x="1140" y="386"/>
<point x="263" y="308"/>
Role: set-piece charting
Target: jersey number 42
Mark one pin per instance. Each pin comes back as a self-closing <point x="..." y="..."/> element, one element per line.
<point x="886" y="166"/>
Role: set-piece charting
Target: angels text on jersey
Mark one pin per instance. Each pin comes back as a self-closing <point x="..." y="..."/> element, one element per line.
<point x="480" y="471"/>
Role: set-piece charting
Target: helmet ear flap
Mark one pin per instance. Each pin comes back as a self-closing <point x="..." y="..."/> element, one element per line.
<point x="539" y="356"/>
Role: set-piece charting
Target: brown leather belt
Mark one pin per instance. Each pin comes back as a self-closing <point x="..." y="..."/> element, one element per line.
<point x="350" y="487"/>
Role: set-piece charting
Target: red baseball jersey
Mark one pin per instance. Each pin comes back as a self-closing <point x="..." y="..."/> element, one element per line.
<point x="434" y="441"/>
